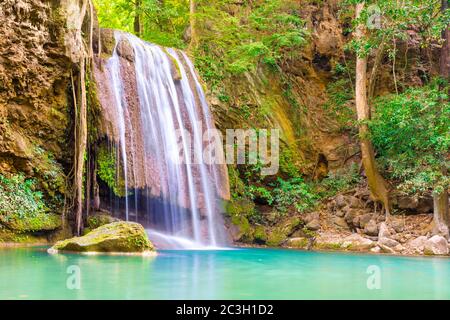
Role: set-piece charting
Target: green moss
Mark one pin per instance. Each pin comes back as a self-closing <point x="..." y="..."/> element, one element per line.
<point x="300" y="243"/>
<point x="114" y="237"/>
<point x="107" y="171"/>
<point x="260" y="235"/>
<point x="98" y="220"/>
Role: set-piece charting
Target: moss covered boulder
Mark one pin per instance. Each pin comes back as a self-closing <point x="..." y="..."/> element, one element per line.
<point x="117" y="237"/>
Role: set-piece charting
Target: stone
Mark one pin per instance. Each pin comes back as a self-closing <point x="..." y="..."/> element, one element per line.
<point x="371" y="228"/>
<point x="386" y="249"/>
<point x="340" y="201"/>
<point x="340" y="213"/>
<point x="299" y="243"/>
<point x="436" y="245"/>
<point x="340" y="222"/>
<point x="376" y="249"/>
<point x="384" y="231"/>
<point x="398" y="225"/>
<point x="125" y="50"/>
<point x="388" y="242"/>
<point x="357" y="242"/>
<point x="364" y="220"/>
<point x="117" y="237"/>
<point x="356" y="203"/>
<point x="97" y="220"/>
<point x="425" y="205"/>
<point x="408" y="202"/>
<point x="311" y="217"/>
<point x="313" y="225"/>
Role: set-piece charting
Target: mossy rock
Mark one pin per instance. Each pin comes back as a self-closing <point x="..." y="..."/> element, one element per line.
<point x="117" y="237"/>
<point x="240" y="207"/>
<point x="280" y="234"/>
<point x="39" y="222"/>
<point x="260" y="235"/>
<point x="98" y="220"/>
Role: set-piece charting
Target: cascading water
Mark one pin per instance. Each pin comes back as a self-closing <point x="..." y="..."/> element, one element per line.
<point x="159" y="112"/>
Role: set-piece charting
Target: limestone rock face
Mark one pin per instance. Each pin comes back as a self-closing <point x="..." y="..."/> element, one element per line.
<point x="117" y="237"/>
<point x="436" y="245"/>
<point x="40" y="44"/>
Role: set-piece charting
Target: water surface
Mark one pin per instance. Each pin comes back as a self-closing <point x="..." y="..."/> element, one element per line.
<point x="229" y="274"/>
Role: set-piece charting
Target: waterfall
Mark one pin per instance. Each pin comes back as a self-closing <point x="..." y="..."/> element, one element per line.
<point x="158" y="114"/>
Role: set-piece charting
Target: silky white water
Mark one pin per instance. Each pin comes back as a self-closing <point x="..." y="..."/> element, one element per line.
<point x="172" y="116"/>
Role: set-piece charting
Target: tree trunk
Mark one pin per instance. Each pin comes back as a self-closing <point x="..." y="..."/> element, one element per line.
<point x="80" y="149"/>
<point x="441" y="211"/>
<point x="137" y="18"/>
<point x="377" y="185"/>
<point x="193" y="24"/>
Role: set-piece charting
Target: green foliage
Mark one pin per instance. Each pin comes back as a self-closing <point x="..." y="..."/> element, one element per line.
<point x="18" y="197"/>
<point x="340" y="103"/>
<point x="265" y="32"/>
<point x="163" y="22"/>
<point x="396" y="19"/>
<point x="108" y="173"/>
<point x="295" y="192"/>
<point x="22" y="207"/>
<point x="411" y="133"/>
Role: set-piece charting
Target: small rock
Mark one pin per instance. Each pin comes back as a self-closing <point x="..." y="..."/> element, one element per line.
<point x="425" y="204"/>
<point x="340" y="222"/>
<point x="356" y="241"/>
<point x="375" y="249"/>
<point x="408" y="202"/>
<point x="313" y="225"/>
<point x="436" y="245"/>
<point x="355" y="203"/>
<point x="340" y="201"/>
<point x="340" y="213"/>
<point x="371" y="228"/>
<point x="364" y="220"/>
<point x="384" y="231"/>
<point x="386" y="249"/>
<point x="391" y="243"/>
<point x="311" y="217"/>
<point x="398" y="225"/>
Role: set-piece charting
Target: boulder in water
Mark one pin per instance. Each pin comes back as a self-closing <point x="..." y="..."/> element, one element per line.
<point x="117" y="237"/>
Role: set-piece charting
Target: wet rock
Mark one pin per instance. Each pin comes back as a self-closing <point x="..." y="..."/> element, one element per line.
<point x="436" y="245"/>
<point x="125" y="50"/>
<point x="371" y="228"/>
<point x="117" y="237"/>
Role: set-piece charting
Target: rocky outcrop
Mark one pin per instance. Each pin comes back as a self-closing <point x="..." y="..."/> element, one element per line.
<point x="117" y="237"/>
<point x="40" y="46"/>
